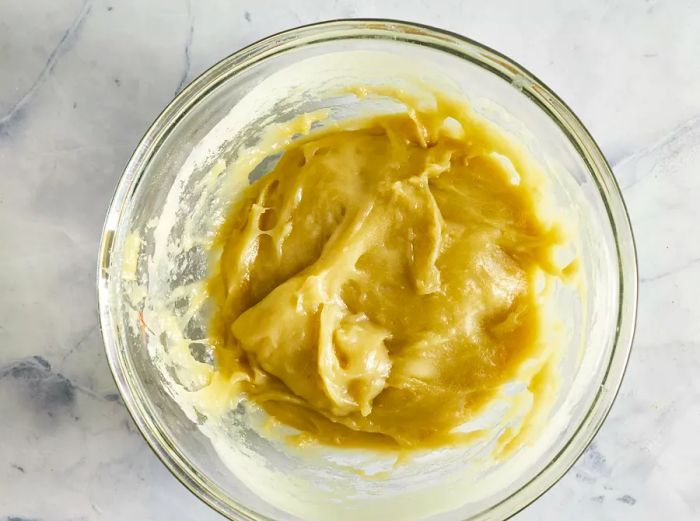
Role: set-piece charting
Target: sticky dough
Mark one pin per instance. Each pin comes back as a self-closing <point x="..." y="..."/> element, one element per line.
<point x="384" y="279"/>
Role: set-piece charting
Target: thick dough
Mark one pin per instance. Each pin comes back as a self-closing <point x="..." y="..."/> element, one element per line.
<point x="381" y="282"/>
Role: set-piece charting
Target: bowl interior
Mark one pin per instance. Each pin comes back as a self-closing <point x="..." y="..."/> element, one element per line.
<point x="176" y="190"/>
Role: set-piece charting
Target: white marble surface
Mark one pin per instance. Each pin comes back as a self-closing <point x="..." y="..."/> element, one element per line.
<point x="81" y="80"/>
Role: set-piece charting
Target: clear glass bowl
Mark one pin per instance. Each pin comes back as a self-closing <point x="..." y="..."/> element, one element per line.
<point x="158" y="205"/>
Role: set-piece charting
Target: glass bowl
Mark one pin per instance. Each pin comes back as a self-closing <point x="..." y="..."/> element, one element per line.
<point x="173" y="193"/>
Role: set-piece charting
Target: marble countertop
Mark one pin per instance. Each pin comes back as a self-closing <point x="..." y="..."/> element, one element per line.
<point x="80" y="81"/>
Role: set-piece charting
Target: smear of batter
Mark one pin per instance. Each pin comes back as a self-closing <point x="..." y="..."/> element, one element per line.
<point x="385" y="278"/>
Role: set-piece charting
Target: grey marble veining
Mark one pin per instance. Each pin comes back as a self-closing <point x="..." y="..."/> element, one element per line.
<point x="80" y="81"/>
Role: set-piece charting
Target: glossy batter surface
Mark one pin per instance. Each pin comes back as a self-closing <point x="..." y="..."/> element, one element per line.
<point x="380" y="283"/>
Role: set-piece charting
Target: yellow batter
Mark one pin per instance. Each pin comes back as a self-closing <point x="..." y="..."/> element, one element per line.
<point x="384" y="279"/>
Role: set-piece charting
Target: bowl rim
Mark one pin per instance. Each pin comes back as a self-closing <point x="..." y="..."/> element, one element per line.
<point x="412" y="33"/>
